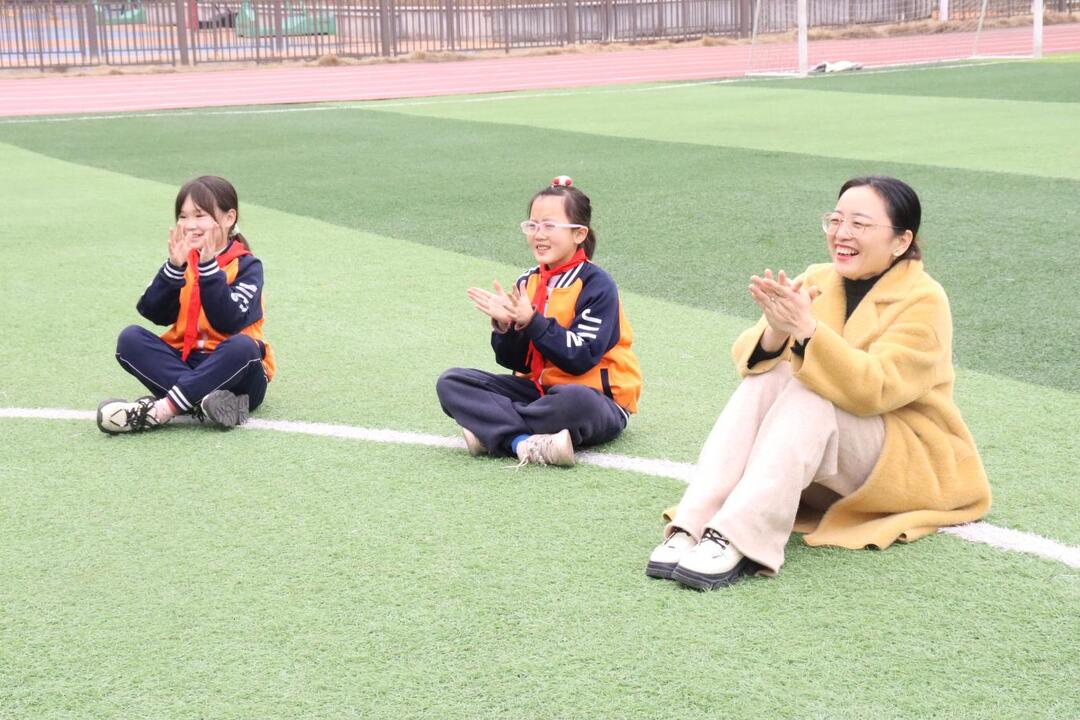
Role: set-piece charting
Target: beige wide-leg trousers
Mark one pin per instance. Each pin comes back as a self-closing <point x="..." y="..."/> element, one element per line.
<point x="774" y="440"/>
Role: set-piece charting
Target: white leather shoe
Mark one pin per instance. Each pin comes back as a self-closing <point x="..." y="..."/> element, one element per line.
<point x="668" y="553"/>
<point x="714" y="562"/>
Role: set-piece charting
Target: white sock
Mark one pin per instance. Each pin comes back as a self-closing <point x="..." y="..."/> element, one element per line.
<point x="163" y="411"/>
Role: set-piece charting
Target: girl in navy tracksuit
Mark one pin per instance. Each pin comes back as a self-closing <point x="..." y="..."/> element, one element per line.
<point x="212" y="362"/>
<point x="561" y="329"/>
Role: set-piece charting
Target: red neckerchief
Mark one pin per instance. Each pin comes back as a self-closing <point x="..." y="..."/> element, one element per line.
<point x="191" y="329"/>
<point x="534" y="359"/>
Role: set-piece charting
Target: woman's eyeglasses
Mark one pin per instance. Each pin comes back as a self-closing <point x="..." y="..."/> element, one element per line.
<point x="831" y="222"/>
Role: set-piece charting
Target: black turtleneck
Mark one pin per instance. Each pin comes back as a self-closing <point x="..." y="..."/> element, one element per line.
<point x="855" y="291"/>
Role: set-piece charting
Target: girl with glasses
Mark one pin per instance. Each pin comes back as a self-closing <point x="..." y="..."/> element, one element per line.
<point x="212" y="362"/>
<point x="844" y="426"/>
<point x="562" y="332"/>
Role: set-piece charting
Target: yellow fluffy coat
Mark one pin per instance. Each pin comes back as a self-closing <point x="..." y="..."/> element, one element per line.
<point x="893" y="357"/>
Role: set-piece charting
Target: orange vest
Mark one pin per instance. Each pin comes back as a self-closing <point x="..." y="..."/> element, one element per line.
<point x="617" y="375"/>
<point x="208" y="338"/>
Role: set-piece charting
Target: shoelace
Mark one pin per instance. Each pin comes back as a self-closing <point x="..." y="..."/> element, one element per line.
<point x="671" y="540"/>
<point x="717" y="539"/>
<point x="536" y="449"/>
<point x="139" y="417"/>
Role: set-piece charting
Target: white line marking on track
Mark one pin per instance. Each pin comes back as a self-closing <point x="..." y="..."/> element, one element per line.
<point x="977" y="532"/>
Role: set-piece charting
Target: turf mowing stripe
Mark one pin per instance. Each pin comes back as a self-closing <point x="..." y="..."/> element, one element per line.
<point x="1026" y="432"/>
<point x="1048" y="81"/>
<point x="972" y="134"/>
<point x="730" y="209"/>
<point x="488" y="98"/>
<point x="977" y="532"/>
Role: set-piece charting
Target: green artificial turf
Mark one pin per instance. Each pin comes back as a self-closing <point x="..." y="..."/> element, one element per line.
<point x="1052" y="80"/>
<point x="1062" y="58"/>
<point x="963" y="133"/>
<point x="676" y="220"/>
<point x="193" y="573"/>
<point x="139" y="584"/>
<point x="363" y="325"/>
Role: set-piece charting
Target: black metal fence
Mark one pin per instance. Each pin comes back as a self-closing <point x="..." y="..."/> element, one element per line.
<point x="40" y="34"/>
<point x="780" y="15"/>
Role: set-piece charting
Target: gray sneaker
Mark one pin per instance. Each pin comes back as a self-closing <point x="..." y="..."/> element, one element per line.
<point x="225" y="409"/>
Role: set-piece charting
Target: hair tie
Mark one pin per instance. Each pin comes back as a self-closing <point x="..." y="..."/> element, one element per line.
<point x="562" y="181"/>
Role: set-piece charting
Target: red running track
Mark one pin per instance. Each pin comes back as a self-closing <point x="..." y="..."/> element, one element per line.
<point x="263" y="86"/>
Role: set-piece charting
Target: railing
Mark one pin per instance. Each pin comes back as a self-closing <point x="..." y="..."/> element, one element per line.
<point x="184" y="32"/>
<point x="780" y="15"/>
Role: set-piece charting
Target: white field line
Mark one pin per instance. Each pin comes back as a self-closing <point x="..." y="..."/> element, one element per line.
<point x="493" y="96"/>
<point x="976" y="532"/>
<point x="1017" y="541"/>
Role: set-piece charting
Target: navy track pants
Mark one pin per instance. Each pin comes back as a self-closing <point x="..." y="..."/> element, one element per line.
<point x="235" y="365"/>
<point x="498" y="408"/>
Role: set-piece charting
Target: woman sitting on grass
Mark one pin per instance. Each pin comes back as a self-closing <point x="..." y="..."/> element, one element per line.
<point x="846" y="407"/>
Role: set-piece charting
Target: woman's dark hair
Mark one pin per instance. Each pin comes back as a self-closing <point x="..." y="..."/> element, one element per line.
<point x="578" y="208"/>
<point x="901" y="203"/>
<point x="210" y="193"/>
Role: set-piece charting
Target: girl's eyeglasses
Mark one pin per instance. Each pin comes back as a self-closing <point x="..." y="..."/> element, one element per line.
<point x="531" y="228"/>
<point x="831" y="222"/>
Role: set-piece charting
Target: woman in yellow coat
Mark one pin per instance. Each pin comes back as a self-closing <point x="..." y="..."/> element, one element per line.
<point x="844" y="426"/>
